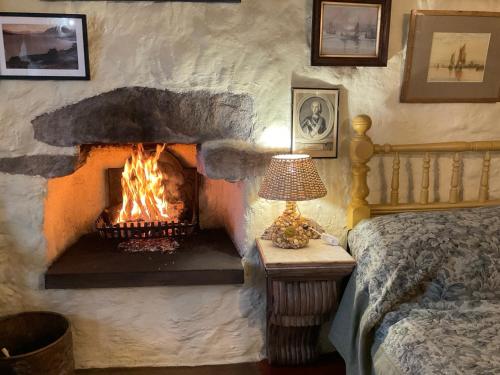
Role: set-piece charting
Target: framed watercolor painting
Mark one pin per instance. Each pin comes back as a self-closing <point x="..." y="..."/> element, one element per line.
<point x="315" y="116"/>
<point x="350" y="33"/>
<point x="452" y="56"/>
<point x="43" y="46"/>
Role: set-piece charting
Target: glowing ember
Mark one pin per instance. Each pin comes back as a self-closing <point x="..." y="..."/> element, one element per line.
<point x="145" y="197"/>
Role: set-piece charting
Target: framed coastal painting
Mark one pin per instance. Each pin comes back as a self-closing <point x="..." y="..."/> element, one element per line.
<point x="350" y="33"/>
<point x="43" y="46"/>
<point x="452" y="56"/>
<point x="315" y="115"/>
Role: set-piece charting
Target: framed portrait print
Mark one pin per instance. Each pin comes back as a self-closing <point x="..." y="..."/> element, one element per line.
<point x="315" y="114"/>
<point x="43" y="46"/>
<point x="452" y="57"/>
<point x="350" y="33"/>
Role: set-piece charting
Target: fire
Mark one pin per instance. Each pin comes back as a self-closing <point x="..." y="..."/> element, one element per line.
<point x="143" y="188"/>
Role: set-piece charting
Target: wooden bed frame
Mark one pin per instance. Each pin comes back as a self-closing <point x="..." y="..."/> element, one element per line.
<point x="362" y="149"/>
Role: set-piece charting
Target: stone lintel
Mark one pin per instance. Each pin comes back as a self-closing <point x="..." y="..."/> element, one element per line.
<point x="147" y="115"/>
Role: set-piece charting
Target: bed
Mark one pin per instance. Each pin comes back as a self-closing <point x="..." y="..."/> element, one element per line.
<point x="425" y="295"/>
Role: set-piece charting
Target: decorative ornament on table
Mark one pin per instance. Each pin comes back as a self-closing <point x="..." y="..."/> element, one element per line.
<point x="292" y="178"/>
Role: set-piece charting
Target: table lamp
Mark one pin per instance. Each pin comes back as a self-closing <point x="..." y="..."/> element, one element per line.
<point x="291" y="178"/>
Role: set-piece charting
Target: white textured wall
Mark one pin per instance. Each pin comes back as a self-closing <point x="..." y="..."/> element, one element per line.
<point x="259" y="47"/>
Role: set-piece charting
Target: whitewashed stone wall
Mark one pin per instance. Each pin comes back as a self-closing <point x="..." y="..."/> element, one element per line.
<point x="258" y="47"/>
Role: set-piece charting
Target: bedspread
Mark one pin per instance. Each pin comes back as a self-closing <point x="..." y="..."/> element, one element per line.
<point x="425" y="295"/>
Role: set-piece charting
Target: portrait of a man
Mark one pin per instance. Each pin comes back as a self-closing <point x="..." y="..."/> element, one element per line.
<point x="314" y="124"/>
<point x="315" y="117"/>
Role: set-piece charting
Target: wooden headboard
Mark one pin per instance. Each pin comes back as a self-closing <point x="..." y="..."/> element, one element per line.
<point x="362" y="150"/>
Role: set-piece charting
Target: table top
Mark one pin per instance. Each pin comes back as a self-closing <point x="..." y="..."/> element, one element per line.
<point x="317" y="254"/>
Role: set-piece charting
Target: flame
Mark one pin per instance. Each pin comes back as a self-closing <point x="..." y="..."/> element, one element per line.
<point x="143" y="188"/>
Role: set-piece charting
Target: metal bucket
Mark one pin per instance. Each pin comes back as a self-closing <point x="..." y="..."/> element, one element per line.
<point x="38" y="343"/>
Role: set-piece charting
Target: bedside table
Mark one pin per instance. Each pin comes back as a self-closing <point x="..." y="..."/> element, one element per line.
<point x="303" y="287"/>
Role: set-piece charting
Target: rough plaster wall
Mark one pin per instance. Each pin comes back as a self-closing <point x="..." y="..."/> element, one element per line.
<point x="259" y="47"/>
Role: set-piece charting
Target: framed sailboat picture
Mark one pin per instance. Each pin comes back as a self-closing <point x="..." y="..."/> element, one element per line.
<point x="43" y="46"/>
<point x="452" y="57"/>
<point x="350" y="33"/>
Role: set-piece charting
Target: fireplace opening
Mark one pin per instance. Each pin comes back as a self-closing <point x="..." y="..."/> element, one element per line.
<point x="152" y="197"/>
<point x="141" y="224"/>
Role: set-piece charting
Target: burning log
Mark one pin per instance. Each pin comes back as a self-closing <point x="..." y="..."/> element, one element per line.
<point x="143" y="189"/>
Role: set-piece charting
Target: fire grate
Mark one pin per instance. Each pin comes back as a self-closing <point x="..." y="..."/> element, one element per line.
<point x="143" y="229"/>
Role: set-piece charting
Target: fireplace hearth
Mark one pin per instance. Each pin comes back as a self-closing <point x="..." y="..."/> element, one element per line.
<point x="207" y="257"/>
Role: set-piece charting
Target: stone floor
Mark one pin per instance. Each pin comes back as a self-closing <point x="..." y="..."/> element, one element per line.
<point x="328" y="365"/>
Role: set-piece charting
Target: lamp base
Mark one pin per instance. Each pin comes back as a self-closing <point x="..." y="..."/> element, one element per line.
<point x="289" y="230"/>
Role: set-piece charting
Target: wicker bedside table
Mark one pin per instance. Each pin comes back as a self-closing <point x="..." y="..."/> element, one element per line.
<point x="302" y="293"/>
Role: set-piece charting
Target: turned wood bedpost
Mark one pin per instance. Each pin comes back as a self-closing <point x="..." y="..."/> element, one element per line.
<point x="361" y="150"/>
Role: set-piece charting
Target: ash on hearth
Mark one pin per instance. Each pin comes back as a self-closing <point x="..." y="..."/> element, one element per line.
<point x="163" y="245"/>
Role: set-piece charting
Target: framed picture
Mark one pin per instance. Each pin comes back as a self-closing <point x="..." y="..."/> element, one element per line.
<point x="43" y="46"/>
<point x="185" y="1"/>
<point x="452" y="57"/>
<point x="350" y="33"/>
<point x="315" y="116"/>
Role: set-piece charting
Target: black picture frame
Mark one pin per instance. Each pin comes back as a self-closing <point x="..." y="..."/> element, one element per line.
<point x="85" y="71"/>
<point x="300" y="98"/>
<point x="166" y="1"/>
<point x="382" y="35"/>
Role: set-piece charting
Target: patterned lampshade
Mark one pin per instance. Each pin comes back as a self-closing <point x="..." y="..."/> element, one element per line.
<point x="292" y="178"/>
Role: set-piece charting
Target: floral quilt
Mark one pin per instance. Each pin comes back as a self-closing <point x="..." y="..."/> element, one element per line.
<point x="425" y="294"/>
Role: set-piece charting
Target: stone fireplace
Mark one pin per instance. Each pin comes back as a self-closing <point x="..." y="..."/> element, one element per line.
<point x="210" y="133"/>
<point x="204" y="133"/>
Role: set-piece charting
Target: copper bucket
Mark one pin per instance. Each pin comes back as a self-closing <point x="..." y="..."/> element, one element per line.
<point x="36" y="343"/>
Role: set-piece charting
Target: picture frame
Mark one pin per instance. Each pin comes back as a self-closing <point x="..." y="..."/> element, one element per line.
<point x="173" y="1"/>
<point x="350" y="32"/>
<point x="452" y="57"/>
<point x="315" y="118"/>
<point x="43" y="46"/>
